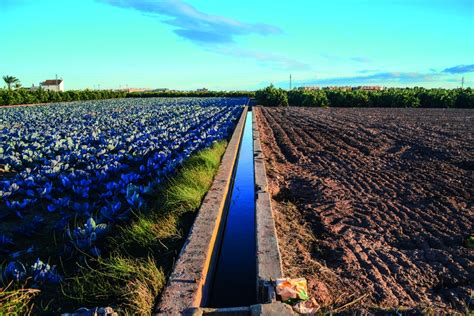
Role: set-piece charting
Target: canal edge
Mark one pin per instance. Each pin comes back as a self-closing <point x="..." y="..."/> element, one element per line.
<point x="190" y="274"/>
<point x="269" y="264"/>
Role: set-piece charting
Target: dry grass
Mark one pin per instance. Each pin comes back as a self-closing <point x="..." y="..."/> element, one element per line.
<point x="16" y="301"/>
<point x="134" y="282"/>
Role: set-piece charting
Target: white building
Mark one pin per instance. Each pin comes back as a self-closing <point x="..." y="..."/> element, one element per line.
<point x="53" y="85"/>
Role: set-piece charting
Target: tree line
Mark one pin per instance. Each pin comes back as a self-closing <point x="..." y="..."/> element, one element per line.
<point x="24" y="96"/>
<point x="392" y="97"/>
<point x="270" y="96"/>
<point x="15" y="94"/>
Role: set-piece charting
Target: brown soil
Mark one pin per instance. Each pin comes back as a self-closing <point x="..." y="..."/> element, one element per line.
<point x="373" y="206"/>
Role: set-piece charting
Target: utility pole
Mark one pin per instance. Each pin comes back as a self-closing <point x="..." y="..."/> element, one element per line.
<point x="290" y="82"/>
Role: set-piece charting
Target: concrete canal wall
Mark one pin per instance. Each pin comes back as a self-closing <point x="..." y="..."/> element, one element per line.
<point x="269" y="266"/>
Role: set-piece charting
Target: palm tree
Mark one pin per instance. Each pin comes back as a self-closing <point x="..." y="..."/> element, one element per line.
<point x="9" y="80"/>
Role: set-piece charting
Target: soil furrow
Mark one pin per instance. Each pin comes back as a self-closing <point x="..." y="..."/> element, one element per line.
<point x="375" y="201"/>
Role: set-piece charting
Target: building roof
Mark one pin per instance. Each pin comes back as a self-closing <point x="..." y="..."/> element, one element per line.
<point x="51" y="82"/>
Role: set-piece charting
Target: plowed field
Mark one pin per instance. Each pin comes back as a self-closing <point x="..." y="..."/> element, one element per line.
<point x="373" y="206"/>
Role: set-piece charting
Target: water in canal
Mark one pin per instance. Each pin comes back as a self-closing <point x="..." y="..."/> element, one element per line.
<point x="234" y="281"/>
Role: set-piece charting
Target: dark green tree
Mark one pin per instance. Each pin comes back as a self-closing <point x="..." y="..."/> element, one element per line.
<point x="271" y="96"/>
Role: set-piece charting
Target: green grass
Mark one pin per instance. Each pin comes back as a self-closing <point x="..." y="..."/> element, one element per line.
<point x="186" y="191"/>
<point x="132" y="276"/>
<point x="146" y="231"/>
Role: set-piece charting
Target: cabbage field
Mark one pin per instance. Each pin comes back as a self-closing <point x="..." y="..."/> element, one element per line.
<point x="69" y="173"/>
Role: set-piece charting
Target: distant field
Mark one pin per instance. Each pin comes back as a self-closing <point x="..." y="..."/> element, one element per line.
<point x="373" y="206"/>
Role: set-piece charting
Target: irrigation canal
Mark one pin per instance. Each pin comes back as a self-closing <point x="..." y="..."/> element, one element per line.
<point x="231" y="255"/>
<point x="234" y="280"/>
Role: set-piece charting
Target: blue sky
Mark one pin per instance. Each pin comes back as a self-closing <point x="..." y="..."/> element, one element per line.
<point x="189" y="44"/>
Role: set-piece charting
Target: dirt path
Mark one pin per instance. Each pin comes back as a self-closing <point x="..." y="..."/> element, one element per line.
<point x="374" y="204"/>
